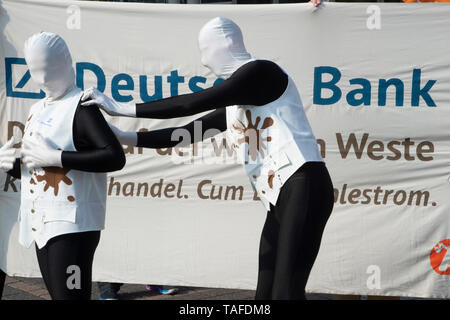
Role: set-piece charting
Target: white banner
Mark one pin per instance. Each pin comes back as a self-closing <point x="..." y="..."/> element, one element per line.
<point x="375" y="82"/>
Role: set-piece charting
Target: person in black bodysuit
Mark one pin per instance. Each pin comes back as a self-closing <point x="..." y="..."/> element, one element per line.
<point x="293" y="230"/>
<point x="97" y="151"/>
<point x="65" y="248"/>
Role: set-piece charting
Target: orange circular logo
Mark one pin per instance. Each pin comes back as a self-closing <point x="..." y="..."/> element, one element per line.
<point x="440" y="257"/>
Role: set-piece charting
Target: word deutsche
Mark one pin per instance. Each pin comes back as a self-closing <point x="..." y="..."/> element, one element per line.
<point x="122" y="85"/>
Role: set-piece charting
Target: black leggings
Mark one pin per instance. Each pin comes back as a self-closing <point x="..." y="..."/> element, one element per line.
<point x="292" y="233"/>
<point x="2" y="282"/>
<point x="66" y="265"/>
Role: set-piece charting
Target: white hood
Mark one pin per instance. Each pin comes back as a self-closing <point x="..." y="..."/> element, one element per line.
<point x="222" y="47"/>
<point x="50" y="64"/>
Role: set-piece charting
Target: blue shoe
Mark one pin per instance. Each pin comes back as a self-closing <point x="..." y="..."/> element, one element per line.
<point x="169" y="291"/>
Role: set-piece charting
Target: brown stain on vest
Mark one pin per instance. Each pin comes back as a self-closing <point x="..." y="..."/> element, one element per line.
<point x="270" y="178"/>
<point x="53" y="176"/>
<point x="253" y="135"/>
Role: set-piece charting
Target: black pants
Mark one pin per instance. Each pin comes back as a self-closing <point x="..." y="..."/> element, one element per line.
<point x="2" y="282"/>
<point x="66" y="265"/>
<point x="292" y="233"/>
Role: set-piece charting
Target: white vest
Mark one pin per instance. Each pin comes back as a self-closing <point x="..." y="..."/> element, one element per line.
<point x="58" y="201"/>
<point x="272" y="141"/>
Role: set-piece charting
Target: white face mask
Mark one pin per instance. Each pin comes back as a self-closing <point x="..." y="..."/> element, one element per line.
<point x="50" y="64"/>
<point x="222" y="47"/>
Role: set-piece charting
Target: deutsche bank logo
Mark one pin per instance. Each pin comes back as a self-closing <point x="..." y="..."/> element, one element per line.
<point x="14" y="90"/>
<point x="122" y="85"/>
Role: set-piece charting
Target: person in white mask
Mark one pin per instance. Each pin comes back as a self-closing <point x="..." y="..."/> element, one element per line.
<point x="66" y="151"/>
<point x="259" y="106"/>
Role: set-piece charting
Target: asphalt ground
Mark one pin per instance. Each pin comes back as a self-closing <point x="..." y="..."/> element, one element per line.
<point x="17" y="288"/>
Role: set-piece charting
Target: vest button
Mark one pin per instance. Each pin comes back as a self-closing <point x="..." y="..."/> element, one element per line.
<point x="33" y="229"/>
<point x="32" y="211"/>
<point x="31" y="133"/>
<point x="32" y="191"/>
<point x="31" y="172"/>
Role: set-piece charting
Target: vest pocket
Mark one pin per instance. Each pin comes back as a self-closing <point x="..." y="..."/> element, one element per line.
<point x="58" y="213"/>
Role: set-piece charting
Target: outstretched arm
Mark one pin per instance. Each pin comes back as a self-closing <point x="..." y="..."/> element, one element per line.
<point x="209" y="125"/>
<point x="255" y="83"/>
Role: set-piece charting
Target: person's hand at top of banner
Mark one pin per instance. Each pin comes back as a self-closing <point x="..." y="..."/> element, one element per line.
<point x="124" y="137"/>
<point x="316" y="3"/>
<point x="7" y="157"/>
<point x="38" y="153"/>
<point x="415" y="1"/>
<point x="93" y="97"/>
